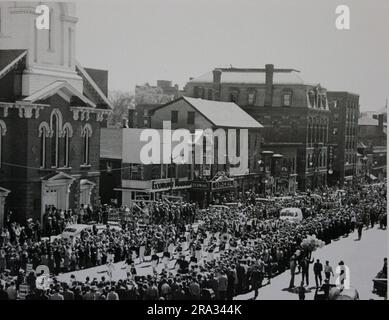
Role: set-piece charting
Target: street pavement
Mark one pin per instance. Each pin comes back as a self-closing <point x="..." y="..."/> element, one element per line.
<point x="365" y="258"/>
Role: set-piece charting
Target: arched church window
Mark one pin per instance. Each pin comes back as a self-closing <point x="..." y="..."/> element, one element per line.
<point x="67" y="135"/>
<point x="3" y="131"/>
<point x="55" y="133"/>
<point x="43" y="131"/>
<point x="86" y="133"/>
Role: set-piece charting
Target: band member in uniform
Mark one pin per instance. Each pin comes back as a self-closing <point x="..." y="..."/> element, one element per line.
<point x="166" y="259"/>
<point x="154" y="261"/>
<point x="142" y="249"/>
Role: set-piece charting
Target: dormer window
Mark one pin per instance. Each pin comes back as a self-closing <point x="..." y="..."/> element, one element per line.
<point x="234" y="96"/>
<point x="311" y="97"/>
<point x="287" y="99"/>
<point x="251" y="98"/>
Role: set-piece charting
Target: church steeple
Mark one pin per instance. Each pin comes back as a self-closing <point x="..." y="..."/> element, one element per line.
<point x="50" y="53"/>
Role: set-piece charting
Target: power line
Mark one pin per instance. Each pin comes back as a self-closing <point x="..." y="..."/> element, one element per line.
<point x="57" y="169"/>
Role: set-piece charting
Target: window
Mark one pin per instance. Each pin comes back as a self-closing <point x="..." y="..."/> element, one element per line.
<point x="294" y="127"/>
<point x="287" y="99"/>
<point x="251" y="98"/>
<point x="334" y="131"/>
<point x="54" y="140"/>
<point x="234" y="96"/>
<point x="174" y="116"/>
<point x="136" y="171"/>
<point x="66" y="148"/>
<point x="210" y="95"/>
<point x="3" y="130"/>
<point x="199" y="92"/>
<point x="86" y="133"/>
<point x="67" y="134"/>
<point x="310" y="161"/>
<point x="145" y="112"/>
<point x="311" y="96"/>
<point x="43" y="134"/>
<point x="155" y="171"/>
<point x="191" y="117"/>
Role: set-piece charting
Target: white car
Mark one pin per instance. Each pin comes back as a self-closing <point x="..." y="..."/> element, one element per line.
<point x="112" y="226"/>
<point x="294" y="215"/>
<point x="74" y="230"/>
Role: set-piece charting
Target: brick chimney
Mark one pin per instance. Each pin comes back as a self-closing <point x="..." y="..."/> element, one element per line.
<point x="269" y="69"/>
<point x="217" y="76"/>
<point x="381" y="123"/>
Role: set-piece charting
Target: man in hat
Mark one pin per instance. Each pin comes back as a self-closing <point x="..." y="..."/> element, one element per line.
<point x="292" y="266"/>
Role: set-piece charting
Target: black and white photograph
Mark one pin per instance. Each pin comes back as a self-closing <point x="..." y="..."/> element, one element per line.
<point x="212" y="151"/>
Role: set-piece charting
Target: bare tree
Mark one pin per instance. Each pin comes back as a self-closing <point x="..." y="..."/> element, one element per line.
<point x="122" y="102"/>
<point x="146" y="94"/>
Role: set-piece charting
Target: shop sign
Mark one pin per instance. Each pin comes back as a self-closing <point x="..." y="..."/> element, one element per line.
<point x="200" y="184"/>
<point x="222" y="184"/>
<point x="166" y="184"/>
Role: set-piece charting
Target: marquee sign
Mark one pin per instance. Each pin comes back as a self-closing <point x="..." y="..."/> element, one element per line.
<point x="168" y="184"/>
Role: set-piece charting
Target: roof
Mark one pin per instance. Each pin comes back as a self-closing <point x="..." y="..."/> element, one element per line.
<point x="9" y="59"/>
<point x="253" y="76"/>
<point x="221" y="114"/>
<point x="88" y="78"/>
<point x="367" y="121"/>
<point x="55" y="87"/>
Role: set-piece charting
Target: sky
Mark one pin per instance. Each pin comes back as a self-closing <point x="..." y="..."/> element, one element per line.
<point x="140" y="41"/>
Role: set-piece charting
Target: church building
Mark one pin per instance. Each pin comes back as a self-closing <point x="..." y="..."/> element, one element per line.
<point x="51" y="111"/>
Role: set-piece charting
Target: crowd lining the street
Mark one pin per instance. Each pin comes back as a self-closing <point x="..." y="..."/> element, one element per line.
<point x="216" y="253"/>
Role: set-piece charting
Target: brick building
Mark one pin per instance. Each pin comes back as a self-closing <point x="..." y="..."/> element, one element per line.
<point x="51" y="110"/>
<point x="372" y="137"/>
<point x="294" y="114"/>
<point x="343" y="136"/>
<point x="193" y="114"/>
<point x="149" y="97"/>
<point x="125" y="178"/>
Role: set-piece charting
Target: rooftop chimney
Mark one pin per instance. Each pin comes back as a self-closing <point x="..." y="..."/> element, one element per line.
<point x="380" y="122"/>
<point x="269" y="69"/>
<point x="217" y="76"/>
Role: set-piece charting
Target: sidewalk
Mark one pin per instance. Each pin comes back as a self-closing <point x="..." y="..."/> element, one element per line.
<point x="364" y="259"/>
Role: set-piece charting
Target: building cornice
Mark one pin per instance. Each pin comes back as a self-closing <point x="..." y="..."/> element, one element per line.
<point x="83" y="113"/>
<point x="25" y="109"/>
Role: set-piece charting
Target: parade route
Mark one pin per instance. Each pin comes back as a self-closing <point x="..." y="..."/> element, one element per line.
<point x="364" y="259"/>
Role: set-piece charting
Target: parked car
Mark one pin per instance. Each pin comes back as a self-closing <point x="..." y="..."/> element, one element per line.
<point x="112" y="226"/>
<point x="294" y="215"/>
<point x="74" y="230"/>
